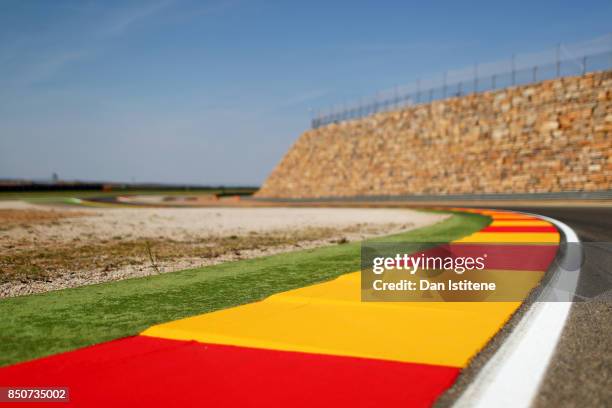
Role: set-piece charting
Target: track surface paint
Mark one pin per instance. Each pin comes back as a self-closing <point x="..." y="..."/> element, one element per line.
<point x="331" y="319"/>
<point x="520" y="229"/>
<point x="144" y="371"/>
<point x="316" y="346"/>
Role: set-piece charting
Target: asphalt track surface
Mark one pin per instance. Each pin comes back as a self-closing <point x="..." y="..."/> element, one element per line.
<point x="580" y="373"/>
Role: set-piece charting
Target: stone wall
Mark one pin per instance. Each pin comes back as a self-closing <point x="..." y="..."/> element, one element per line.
<point x="547" y="137"/>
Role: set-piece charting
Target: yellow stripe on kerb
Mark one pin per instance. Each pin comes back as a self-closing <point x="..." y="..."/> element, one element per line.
<point x="512" y="237"/>
<point x="526" y="223"/>
<point x="414" y="332"/>
<point x="329" y="318"/>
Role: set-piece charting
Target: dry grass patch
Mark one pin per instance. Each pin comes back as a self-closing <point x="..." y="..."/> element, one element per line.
<point x="44" y="263"/>
<point x="10" y="218"/>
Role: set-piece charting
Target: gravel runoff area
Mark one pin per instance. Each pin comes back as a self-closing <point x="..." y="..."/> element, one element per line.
<point x="46" y="248"/>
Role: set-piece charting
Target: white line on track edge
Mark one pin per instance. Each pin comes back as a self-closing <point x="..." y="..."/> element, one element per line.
<point x="512" y="376"/>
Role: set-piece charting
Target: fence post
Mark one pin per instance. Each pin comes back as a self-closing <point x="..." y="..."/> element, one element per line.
<point x="558" y="60"/>
<point x="444" y="85"/>
<point x="584" y="61"/>
<point x="396" y="98"/>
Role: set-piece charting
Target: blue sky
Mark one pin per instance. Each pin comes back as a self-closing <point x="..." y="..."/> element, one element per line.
<point x="215" y="92"/>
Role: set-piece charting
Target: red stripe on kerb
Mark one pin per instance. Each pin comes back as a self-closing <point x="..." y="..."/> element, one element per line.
<point x="539" y="228"/>
<point x="500" y="256"/>
<point x="514" y="218"/>
<point x="146" y="371"/>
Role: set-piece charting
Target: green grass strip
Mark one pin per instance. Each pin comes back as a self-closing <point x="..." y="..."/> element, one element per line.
<point x="38" y="325"/>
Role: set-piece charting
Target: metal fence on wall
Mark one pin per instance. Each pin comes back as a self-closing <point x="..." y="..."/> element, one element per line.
<point x="520" y="69"/>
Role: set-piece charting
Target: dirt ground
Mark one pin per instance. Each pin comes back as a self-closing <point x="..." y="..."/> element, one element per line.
<point x="46" y="248"/>
<point x="12" y="217"/>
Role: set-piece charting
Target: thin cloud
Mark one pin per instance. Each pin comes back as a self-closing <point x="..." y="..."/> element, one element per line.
<point x="48" y="67"/>
<point x="203" y="10"/>
<point x="35" y="66"/>
<point x="127" y="18"/>
<point x="307" y="96"/>
<point x="399" y="47"/>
